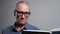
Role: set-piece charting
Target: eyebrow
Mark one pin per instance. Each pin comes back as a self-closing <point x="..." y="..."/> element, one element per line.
<point x="19" y="11"/>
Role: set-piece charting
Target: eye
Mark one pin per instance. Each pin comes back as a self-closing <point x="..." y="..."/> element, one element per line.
<point x="27" y="12"/>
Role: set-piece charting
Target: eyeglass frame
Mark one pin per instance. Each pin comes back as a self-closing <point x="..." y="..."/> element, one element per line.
<point x="21" y="13"/>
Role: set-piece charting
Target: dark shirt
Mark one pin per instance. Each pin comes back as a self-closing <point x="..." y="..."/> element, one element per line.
<point x="12" y="29"/>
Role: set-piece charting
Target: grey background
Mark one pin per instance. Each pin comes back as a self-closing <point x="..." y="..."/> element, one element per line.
<point x="45" y="13"/>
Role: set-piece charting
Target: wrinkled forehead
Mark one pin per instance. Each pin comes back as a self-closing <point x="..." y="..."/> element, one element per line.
<point x="23" y="7"/>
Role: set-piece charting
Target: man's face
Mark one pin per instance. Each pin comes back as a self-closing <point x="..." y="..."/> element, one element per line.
<point x="22" y="13"/>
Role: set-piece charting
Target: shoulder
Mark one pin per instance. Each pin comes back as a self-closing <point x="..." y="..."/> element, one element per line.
<point x="31" y="27"/>
<point x="7" y="29"/>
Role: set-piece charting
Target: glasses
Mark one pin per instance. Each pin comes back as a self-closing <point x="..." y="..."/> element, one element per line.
<point x="21" y="13"/>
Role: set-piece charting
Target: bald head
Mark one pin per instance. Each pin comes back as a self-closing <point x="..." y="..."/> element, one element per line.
<point x="21" y="4"/>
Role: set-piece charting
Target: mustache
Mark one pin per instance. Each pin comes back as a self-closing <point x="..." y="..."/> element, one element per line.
<point x="19" y="19"/>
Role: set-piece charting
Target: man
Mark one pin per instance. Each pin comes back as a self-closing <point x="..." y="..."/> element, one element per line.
<point x="21" y="12"/>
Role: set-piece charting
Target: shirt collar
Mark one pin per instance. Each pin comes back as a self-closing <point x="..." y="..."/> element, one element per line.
<point x="14" y="27"/>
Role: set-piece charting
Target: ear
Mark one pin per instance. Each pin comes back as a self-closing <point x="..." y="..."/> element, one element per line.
<point x="15" y="13"/>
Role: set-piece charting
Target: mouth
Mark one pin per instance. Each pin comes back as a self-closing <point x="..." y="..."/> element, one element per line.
<point x="20" y="21"/>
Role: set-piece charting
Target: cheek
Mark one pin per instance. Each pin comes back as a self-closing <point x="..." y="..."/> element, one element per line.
<point x="18" y="17"/>
<point x="26" y="19"/>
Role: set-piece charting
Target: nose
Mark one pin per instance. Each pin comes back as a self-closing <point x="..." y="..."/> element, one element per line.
<point x="23" y="16"/>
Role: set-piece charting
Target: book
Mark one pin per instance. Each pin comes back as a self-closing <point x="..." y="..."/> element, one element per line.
<point x="36" y="32"/>
<point x="55" y="31"/>
<point x="52" y="31"/>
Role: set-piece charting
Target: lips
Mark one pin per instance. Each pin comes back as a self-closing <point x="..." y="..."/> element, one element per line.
<point x="21" y="20"/>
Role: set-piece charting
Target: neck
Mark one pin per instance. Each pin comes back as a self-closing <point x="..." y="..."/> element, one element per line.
<point x="19" y="27"/>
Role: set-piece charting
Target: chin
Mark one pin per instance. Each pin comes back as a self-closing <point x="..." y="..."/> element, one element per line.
<point x="22" y="23"/>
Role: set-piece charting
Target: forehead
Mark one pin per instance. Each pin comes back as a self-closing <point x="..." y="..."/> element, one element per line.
<point x="23" y="7"/>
